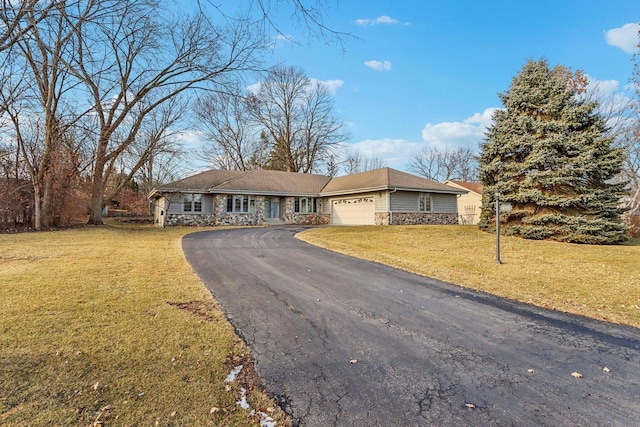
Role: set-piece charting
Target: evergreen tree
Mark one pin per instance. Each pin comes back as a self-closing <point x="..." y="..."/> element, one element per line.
<point x="548" y="155"/>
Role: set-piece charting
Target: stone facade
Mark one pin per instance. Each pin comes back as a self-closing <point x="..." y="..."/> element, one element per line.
<point x="415" y="218"/>
<point x="309" y="219"/>
<point x="192" y="220"/>
<point x="382" y="218"/>
<point x="234" y="218"/>
<point x="289" y="215"/>
<point x="220" y="216"/>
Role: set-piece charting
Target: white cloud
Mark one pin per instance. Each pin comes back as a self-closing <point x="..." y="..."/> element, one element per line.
<point x="484" y="119"/>
<point x="190" y="137"/>
<point x="394" y="152"/>
<point x="625" y="37"/>
<point x="467" y="133"/>
<point x="613" y="102"/>
<point x="378" y="65"/>
<point x="281" y="39"/>
<point x="602" y="87"/>
<point x="254" y="88"/>
<point x="331" y="85"/>
<point x="380" y="20"/>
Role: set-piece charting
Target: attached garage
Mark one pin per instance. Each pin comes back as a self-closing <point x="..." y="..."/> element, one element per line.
<point x="353" y="211"/>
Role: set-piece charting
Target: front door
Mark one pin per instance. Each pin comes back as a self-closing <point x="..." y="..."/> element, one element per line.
<point x="274" y="208"/>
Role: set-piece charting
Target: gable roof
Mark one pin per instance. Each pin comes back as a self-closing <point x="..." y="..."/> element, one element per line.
<point x="268" y="182"/>
<point x="384" y="179"/>
<point x="274" y="182"/>
<point x="203" y="180"/>
<point x="475" y="187"/>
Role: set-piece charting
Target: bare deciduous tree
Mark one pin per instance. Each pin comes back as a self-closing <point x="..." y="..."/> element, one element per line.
<point x="34" y="101"/>
<point x="631" y="143"/>
<point x="154" y="145"/>
<point x="233" y="142"/>
<point x="447" y="163"/>
<point x="298" y="119"/>
<point x="112" y="64"/>
<point x="12" y="17"/>
<point x="146" y="60"/>
<point x="355" y="162"/>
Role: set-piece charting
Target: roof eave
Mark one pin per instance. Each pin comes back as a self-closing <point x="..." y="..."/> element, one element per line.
<point x="391" y="187"/>
<point x="262" y="193"/>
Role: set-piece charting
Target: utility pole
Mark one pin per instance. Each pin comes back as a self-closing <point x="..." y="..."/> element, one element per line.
<point x="498" y="228"/>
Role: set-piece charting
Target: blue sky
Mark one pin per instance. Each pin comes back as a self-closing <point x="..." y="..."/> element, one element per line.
<point x="428" y="73"/>
<point x="421" y="74"/>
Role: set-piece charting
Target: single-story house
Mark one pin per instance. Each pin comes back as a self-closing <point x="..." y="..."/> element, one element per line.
<point x="379" y="197"/>
<point x="470" y="204"/>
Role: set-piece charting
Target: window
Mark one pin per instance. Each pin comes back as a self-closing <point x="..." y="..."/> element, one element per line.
<point x="192" y="203"/>
<point x="304" y="205"/>
<point x="425" y="202"/>
<point x="241" y="204"/>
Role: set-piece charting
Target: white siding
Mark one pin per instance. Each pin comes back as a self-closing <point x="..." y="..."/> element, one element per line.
<point x="444" y="203"/>
<point x="326" y="206"/>
<point x="382" y="201"/>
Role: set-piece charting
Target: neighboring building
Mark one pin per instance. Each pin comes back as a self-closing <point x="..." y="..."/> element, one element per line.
<point x="379" y="197"/>
<point x="470" y="204"/>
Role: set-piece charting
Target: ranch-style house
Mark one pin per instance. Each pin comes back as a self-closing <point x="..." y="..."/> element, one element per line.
<point x="379" y="197"/>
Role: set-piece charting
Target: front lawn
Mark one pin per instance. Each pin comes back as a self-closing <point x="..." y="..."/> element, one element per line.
<point x="110" y="326"/>
<point x="602" y="282"/>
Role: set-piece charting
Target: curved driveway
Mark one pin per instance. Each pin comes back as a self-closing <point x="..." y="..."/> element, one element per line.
<point x="428" y="353"/>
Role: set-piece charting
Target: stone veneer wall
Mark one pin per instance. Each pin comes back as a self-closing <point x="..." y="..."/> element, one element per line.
<point x="413" y="218"/>
<point x="292" y="217"/>
<point x="194" y="220"/>
<point x="220" y="215"/>
<point x="382" y="218"/>
<point x="309" y="219"/>
<point x="233" y="218"/>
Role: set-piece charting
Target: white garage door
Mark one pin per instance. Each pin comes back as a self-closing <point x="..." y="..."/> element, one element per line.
<point x="353" y="211"/>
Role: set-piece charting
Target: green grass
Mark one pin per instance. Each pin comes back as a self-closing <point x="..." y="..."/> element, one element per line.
<point x="110" y="326"/>
<point x="602" y="282"/>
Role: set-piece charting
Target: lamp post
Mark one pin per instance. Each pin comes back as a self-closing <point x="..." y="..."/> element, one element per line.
<point x="498" y="228"/>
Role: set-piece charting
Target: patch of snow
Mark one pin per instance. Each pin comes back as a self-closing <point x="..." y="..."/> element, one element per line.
<point x="266" y="420"/>
<point x="233" y="374"/>
<point x="243" y="399"/>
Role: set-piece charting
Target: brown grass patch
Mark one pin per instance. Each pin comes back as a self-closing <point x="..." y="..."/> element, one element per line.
<point x="602" y="282"/>
<point x="87" y="336"/>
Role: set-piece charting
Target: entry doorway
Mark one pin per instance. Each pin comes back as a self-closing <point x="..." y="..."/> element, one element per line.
<point x="273" y="208"/>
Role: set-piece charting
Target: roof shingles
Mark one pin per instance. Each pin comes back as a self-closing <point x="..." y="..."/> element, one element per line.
<point x="384" y="178"/>
<point x="287" y="183"/>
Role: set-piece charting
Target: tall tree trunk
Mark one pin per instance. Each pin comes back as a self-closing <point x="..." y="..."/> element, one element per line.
<point x="37" y="223"/>
<point x="97" y="194"/>
<point x="45" y="209"/>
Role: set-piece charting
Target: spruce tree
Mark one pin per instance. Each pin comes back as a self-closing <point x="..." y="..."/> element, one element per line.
<point x="548" y="156"/>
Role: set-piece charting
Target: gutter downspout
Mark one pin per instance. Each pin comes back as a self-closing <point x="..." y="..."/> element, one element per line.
<point x="390" y="211"/>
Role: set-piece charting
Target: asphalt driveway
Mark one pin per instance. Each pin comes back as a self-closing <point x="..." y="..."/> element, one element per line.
<point x="345" y="342"/>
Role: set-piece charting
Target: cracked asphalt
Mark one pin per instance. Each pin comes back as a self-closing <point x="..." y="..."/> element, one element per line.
<point x="428" y="353"/>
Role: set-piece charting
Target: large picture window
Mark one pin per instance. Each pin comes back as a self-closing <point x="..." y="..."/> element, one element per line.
<point x="425" y="202"/>
<point x="192" y="203"/>
<point x="241" y="204"/>
<point x="304" y="205"/>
